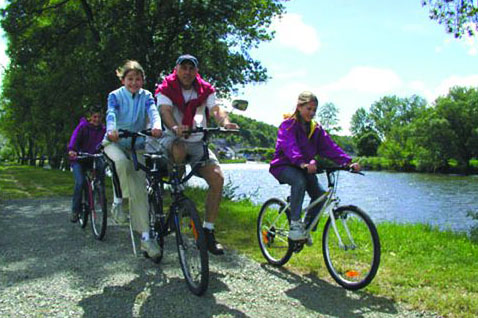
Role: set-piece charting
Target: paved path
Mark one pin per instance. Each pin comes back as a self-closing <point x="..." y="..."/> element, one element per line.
<point x="52" y="268"/>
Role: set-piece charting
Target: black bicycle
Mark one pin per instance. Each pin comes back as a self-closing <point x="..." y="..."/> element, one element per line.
<point x="182" y="217"/>
<point x="93" y="197"/>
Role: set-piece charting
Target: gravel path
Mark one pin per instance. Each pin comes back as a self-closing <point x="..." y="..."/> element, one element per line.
<point x="52" y="268"/>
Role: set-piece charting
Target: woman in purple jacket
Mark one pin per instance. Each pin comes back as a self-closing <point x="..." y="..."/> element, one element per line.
<point x="299" y="140"/>
<point x="86" y="137"/>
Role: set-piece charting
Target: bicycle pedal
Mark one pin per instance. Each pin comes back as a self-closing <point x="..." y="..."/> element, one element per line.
<point x="298" y="246"/>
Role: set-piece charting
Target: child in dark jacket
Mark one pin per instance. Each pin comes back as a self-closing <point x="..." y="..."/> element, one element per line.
<point x="86" y="137"/>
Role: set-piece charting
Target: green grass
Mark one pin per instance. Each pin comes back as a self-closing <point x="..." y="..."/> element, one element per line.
<point x="421" y="266"/>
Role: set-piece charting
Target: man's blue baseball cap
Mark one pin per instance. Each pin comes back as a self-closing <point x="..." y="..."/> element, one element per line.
<point x="187" y="57"/>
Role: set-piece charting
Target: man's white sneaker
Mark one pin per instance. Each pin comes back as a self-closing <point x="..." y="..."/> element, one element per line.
<point x="297" y="231"/>
<point x="118" y="214"/>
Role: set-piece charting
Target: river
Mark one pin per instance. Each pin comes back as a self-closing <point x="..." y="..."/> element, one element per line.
<point x="436" y="199"/>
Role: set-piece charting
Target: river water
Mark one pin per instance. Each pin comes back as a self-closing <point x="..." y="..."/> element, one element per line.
<point x="436" y="199"/>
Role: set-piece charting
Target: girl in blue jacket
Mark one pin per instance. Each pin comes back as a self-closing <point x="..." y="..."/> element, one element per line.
<point x="131" y="107"/>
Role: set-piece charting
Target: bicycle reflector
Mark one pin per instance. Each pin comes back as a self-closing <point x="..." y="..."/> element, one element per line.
<point x="352" y="274"/>
<point x="195" y="231"/>
<point x="265" y="237"/>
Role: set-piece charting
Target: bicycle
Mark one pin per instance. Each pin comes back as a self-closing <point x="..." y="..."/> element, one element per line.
<point x="93" y="197"/>
<point x="350" y="241"/>
<point x="183" y="218"/>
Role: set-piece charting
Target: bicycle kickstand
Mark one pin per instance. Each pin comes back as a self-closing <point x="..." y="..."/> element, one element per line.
<point x="132" y="238"/>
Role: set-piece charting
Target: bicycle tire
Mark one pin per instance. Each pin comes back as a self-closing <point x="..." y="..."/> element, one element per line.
<point x="85" y="206"/>
<point x="192" y="248"/>
<point x="273" y="225"/>
<point x="98" y="212"/>
<point x="158" y="229"/>
<point x="355" y="264"/>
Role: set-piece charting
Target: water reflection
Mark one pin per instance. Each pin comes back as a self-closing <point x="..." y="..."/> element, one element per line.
<point x="442" y="200"/>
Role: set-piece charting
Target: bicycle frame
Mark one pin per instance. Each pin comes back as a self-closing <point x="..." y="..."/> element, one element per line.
<point x="330" y="202"/>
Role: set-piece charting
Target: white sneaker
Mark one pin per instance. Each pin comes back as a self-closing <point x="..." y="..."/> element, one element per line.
<point x="151" y="248"/>
<point x="118" y="214"/>
<point x="297" y="231"/>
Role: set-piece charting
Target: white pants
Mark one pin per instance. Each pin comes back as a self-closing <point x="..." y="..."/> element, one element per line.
<point x="133" y="185"/>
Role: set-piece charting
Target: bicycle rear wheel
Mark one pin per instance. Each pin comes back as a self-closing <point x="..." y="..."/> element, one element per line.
<point x="273" y="232"/>
<point x="85" y="206"/>
<point x="352" y="257"/>
<point x="98" y="213"/>
<point x="192" y="249"/>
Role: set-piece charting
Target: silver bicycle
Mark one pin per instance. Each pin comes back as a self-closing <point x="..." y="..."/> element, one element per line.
<point x="350" y="242"/>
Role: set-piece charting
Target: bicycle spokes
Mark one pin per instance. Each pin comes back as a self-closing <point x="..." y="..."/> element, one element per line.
<point x="273" y="232"/>
<point x="351" y="248"/>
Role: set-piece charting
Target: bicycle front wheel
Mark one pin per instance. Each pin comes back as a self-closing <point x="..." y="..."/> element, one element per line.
<point x="352" y="251"/>
<point x="85" y="206"/>
<point x="192" y="249"/>
<point x="98" y="213"/>
<point x="157" y="226"/>
<point x="273" y="232"/>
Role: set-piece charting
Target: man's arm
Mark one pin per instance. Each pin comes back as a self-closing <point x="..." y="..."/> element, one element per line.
<point x="221" y="117"/>
<point x="167" y="117"/>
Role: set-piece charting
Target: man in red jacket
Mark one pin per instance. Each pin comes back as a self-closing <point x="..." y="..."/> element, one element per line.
<point x="185" y="101"/>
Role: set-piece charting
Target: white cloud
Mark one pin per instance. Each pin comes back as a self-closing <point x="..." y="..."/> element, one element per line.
<point x="445" y="85"/>
<point x="365" y="79"/>
<point x="291" y="31"/>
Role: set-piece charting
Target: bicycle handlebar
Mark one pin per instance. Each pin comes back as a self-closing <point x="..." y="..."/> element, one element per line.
<point x="123" y="133"/>
<point x="333" y="169"/>
<point x="348" y="169"/>
<point x="86" y="155"/>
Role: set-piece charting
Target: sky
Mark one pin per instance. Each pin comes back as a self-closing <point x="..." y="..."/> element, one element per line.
<point x="351" y="53"/>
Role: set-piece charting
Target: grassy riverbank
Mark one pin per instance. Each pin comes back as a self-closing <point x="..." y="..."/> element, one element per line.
<point x="420" y="266"/>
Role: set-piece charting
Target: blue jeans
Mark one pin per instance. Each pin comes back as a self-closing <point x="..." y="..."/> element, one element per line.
<point x="79" y="175"/>
<point x="300" y="182"/>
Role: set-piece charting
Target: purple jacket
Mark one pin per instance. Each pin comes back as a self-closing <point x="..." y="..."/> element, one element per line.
<point x="86" y="137"/>
<point x="294" y="148"/>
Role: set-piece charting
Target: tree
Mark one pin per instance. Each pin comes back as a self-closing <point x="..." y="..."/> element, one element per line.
<point x="63" y="54"/>
<point x="392" y="111"/>
<point x="360" y="122"/>
<point x="460" y="110"/>
<point x="367" y="144"/>
<point x="459" y="16"/>
<point x="328" y="117"/>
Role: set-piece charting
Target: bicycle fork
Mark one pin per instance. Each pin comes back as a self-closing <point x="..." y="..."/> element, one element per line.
<point x="344" y="224"/>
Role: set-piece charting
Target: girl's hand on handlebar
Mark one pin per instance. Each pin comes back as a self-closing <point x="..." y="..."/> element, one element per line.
<point x="355" y="167"/>
<point x="311" y="167"/>
<point x="72" y="154"/>
<point x="113" y="136"/>
<point x="156" y="132"/>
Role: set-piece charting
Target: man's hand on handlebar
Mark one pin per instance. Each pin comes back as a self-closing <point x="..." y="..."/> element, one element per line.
<point x="180" y="130"/>
<point x="231" y="126"/>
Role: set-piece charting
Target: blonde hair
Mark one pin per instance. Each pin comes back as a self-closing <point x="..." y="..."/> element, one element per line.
<point x="130" y="66"/>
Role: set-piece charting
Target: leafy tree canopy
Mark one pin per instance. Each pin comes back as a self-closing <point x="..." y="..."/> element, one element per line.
<point x="459" y="16"/>
<point x="64" y="53"/>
